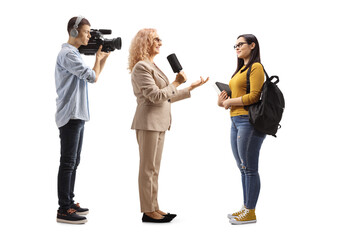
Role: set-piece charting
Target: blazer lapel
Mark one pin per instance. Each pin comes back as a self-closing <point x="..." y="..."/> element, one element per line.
<point x="159" y="72"/>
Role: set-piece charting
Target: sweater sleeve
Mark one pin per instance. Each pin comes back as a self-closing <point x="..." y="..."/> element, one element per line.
<point x="256" y="83"/>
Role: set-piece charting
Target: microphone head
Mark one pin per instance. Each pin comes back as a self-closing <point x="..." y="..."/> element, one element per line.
<point x="174" y="63"/>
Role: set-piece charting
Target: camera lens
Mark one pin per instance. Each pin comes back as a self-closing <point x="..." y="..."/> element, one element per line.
<point x="117" y="43"/>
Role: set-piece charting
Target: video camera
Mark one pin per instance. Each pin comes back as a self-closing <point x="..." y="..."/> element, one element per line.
<point x="97" y="39"/>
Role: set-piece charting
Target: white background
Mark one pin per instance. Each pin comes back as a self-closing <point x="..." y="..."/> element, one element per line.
<point x="309" y="173"/>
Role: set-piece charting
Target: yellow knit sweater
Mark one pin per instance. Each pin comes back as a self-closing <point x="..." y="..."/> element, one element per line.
<point x="238" y="88"/>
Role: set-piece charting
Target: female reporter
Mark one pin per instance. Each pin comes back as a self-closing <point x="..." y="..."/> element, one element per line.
<point x="245" y="140"/>
<point x="152" y="118"/>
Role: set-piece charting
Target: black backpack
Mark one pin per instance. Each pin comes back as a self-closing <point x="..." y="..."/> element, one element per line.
<point x="265" y="115"/>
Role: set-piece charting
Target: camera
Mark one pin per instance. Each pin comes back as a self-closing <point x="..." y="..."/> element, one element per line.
<point x="98" y="39"/>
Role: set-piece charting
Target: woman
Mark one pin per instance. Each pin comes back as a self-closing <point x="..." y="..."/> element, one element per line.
<point x="245" y="140"/>
<point x="152" y="118"/>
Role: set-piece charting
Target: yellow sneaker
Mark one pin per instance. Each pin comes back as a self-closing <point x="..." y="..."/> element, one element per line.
<point x="236" y="214"/>
<point x="248" y="216"/>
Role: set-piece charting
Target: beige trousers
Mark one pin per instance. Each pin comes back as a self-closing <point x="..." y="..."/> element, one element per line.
<point x="150" y="148"/>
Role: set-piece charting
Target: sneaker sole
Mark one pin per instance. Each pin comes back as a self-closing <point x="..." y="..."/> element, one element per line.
<point x="241" y="222"/>
<point x="71" y="222"/>
<point x="82" y="213"/>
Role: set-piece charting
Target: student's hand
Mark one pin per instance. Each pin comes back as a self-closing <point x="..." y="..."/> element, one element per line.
<point x="101" y="55"/>
<point x="222" y="97"/>
<point x="198" y="83"/>
<point x="226" y="103"/>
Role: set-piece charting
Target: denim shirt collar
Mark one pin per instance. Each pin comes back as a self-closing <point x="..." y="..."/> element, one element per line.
<point x="67" y="45"/>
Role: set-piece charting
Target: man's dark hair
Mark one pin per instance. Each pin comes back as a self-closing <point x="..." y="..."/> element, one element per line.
<point x="72" y="21"/>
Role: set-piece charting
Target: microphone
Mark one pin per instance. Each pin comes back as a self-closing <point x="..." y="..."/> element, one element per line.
<point x="174" y="63"/>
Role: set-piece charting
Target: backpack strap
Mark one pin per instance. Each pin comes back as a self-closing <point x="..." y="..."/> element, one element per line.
<point x="272" y="77"/>
<point x="248" y="78"/>
<point x="248" y="84"/>
<point x="248" y="81"/>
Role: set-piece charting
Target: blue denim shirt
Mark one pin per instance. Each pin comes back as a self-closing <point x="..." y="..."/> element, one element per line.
<point x="71" y="77"/>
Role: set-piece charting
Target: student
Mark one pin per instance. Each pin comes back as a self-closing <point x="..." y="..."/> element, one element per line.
<point x="245" y="140"/>
<point x="71" y="78"/>
<point x="152" y="118"/>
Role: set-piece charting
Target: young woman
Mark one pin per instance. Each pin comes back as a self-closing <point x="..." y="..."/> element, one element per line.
<point x="245" y="140"/>
<point x="152" y="118"/>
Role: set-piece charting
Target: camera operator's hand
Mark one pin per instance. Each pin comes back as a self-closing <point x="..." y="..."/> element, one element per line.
<point x="180" y="79"/>
<point x="101" y="55"/>
<point x="100" y="62"/>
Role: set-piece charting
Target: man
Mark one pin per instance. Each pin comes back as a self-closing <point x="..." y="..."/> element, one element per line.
<point x="71" y="78"/>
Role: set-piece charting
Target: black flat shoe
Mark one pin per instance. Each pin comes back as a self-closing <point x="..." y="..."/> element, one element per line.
<point x="170" y="215"/>
<point x="146" y="218"/>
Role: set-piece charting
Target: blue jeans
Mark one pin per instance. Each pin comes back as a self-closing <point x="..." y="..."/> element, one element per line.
<point x="246" y="143"/>
<point x="71" y="136"/>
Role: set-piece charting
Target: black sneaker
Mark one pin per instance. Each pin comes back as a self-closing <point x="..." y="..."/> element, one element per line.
<point x="70" y="216"/>
<point x="80" y="210"/>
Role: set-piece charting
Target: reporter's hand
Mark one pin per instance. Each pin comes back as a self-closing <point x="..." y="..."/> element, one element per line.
<point x="221" y="98"/>
<point x="198" y="83"/>
<point x="101" y="55"/>
<point x="180" y="78"/>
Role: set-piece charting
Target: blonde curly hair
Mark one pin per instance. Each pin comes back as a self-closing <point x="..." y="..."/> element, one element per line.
<point x="140" y="46"/>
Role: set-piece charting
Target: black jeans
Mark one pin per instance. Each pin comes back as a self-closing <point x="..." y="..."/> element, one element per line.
<point x="71" y="137"/>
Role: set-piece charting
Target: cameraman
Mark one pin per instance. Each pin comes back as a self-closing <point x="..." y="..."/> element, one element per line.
<point x="71" y="78"/>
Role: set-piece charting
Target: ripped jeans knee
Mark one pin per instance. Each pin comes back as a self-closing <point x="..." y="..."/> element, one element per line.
<point x="241" y="164"/>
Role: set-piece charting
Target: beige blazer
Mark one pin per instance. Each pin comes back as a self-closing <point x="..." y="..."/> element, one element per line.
<point x="154" y="96"/>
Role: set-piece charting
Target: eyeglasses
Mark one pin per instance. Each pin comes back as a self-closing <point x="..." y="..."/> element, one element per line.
<point x="239" y="45"/>
<point x="157" y="39"/>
